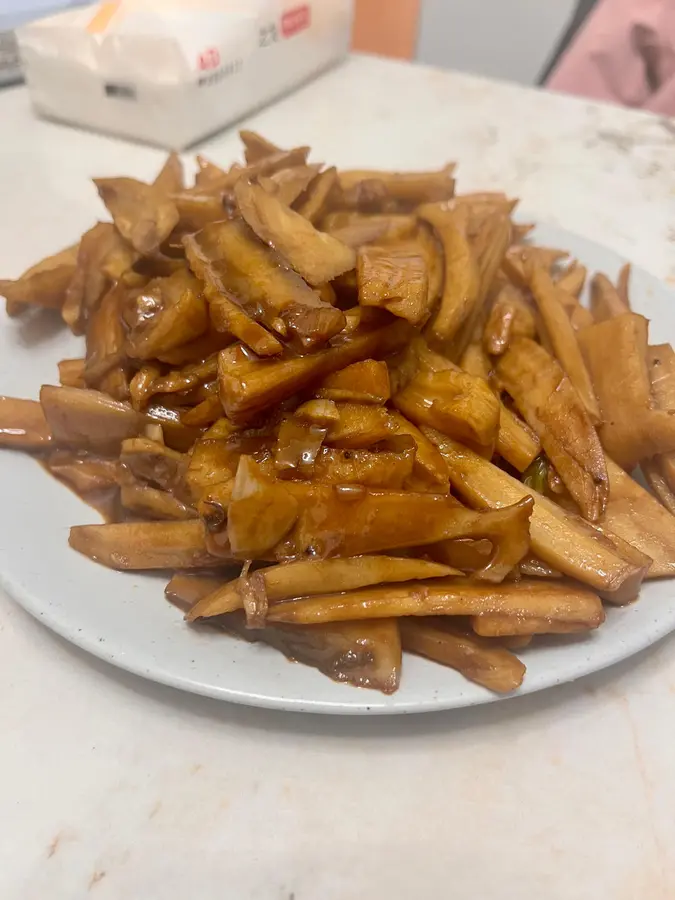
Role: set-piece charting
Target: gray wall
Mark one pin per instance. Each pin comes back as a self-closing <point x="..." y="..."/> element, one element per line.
<point x="509" y="39"/>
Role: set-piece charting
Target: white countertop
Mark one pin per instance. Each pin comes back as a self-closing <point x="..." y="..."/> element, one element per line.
<point x="112" y="787"/>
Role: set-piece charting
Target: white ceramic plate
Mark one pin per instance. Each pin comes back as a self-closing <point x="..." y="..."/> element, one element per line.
<point x="124" y="619"/>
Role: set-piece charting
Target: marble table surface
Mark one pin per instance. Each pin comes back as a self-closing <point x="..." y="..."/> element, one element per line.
<point x="112" y="787"/>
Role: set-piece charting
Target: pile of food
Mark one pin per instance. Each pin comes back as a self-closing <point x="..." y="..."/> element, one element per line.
<point x="354" y="412"/>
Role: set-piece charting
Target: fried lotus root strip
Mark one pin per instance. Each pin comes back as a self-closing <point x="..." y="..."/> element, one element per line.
<point x="143" y="213"/>
<point x="106" y="338"/>
<point x="562" y="539"/>
<point x="553" y="409"/>
<point x="616" y="354"/>
<point x="316" y="256"/>
<point x="249" y="385"/>
<point x="478" y="660"/>
<point x="306" y="577"/>
<point x="444" y="597"/>
<point x="237" y="268"/>
<point x="23" y="424"/>
<point x="145" y="545"/>
<point x="562" y="337"/>
<point x="394" y="277"/>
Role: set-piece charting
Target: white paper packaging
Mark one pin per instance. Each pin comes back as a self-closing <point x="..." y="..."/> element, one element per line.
<point x="171" y="72"/>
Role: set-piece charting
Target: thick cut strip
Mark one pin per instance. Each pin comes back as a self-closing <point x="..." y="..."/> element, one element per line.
<point x="143" y="213"/>
<point x="510" y="317"/>
<point x="313" y="204"/>
<point x="573" y="279"/>
<point x="287" y="185"/>
<point x="616" y="354"/>
<point x="478" y="660"/>
<point x="409" y="189"/>
<point x="562" y="539"/>
<point x="455" y="403"/>
<point x="606" y="302"/>
<point x="562" y="337"/>
<point x="653" y="471"/>
<point x="370" y="468"/>
<point x="169" y="312"/>
<point x="636" y="516"/>
<point x="516" y="442"/>
<point x="395" y="278"/>
<point x="501" y="625"/>
<point x="155" y="464"/>
<point x="23" y="424"/>
<point x="44" y="284"/>
<point x="88" y="420"/>
<point x="151" y="503"/>
<point x="359" y="427"/>
<point x="226" y="315"/>
<point x="362" y="382"/>
<point x="249" y="385"/>
<point x="240" y="269"/>
<point x="551" y="406"/>
<point x="445" y="597"/>
<point x="490" y="245"/>
<point x="661" y="364"/>
<point x="145" y="545"/>
<point x="307" y="577"/>
<point x="103" y="257"/>
<point x="314" y="255"/>
<point x="429" y="466"/>
<point x="363" y="654"/>
<point x="461" y="283"/>
<point x="106" y="337"/>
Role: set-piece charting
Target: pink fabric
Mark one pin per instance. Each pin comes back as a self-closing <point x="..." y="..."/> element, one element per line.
<point x="624" y="53"/>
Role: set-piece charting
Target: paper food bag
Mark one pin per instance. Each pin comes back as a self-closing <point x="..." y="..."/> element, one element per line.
<point x="171" y="72"/>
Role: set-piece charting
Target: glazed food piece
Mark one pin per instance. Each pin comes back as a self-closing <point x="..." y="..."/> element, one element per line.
<point x="145" y="545"/>
<point x="294" y="378"/>
<point x="551" y="406"/>
<point x="478" y="660"/>
<point x="446" y="597"/>
<point x="307" y="577"/>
